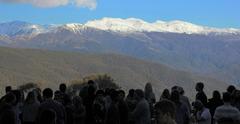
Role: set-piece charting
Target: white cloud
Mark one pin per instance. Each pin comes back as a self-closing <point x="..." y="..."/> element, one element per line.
<point x="91" y="4"/>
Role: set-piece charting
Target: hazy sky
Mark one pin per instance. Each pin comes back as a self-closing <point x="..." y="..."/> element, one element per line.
<point x="215" y="13"/>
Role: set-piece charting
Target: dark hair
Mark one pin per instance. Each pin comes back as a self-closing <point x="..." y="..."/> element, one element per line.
<point x="30" y="97"/>
<point x="91" y="82"/>
<point x="226" y="97"/>
<point x="62" y="87"/>
<point x="10" y="98"/>
<point x="166" y="107"/>
<point x="230" y="89"/>
<point x="200" y="85"/>
<point x="8" y="89"/>
<point x="47" y="93"/>
<point x="216" y="94"/>
<point x="139" y="93"/>
<point x="175" y="96"/>
<point x="114" y="95"/>
<point x="166" y="94"/>
<point x="174" y="88"/>
<point x="131" y="92"/>
<point x="18" y="96"/>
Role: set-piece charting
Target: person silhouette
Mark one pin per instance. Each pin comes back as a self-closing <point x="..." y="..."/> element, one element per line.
<point x="51" y="105"/>
<point x="201" y="94"/>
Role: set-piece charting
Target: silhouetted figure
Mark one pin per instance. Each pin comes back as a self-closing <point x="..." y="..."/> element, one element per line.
<point x="130" y="100"/>
<point x="165" y="95"/>
<point x="203" y="115"/>
<point x="182" y="112"/>
<point x="141" y="113"/>
<point x="30" y="108"/>
<point x="17" y="106"/>
<point x="123" y="108"/>
<point x="48" y="116"/>
<point x="214" y="102"/>
<point x="99" y="107"/>
<point x="149" y="95"/>
<point x="227" y="114"/>
<point x="79" y="112"/>
<point x="200" y="93"/>
<point x="88" y="103"/>
<point x="62" y="94"/>
<point x="235" y="99"/>
<point x="7" y="112"/>
<point x="112" y="116"/>
<point x="230" y="89"/>
<point x="50" y="104"/>
<point x="165" y="112"/>
<point x="108" y="99"/>
<point x="184" y="99"/>
<point x="38" y="93"/>
<point x="8" y="89"/>
<point x="94" y="84"/>
<point x="69" y="108"/>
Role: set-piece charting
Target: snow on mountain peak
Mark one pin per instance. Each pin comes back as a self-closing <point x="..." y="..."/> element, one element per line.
<point x="138" y="25"/>
<point x="19" y="28"/>
<point x="113" y="24"/>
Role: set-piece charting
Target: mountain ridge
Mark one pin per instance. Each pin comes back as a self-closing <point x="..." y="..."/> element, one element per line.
<point x="115" y="24"/>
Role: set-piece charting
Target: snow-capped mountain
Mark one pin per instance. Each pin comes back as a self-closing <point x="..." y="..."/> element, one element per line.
<point x="182" y="45"/>
<point x="20" y="28"/>
<point x="129" y="25"/>
<point x="138" y="25"/>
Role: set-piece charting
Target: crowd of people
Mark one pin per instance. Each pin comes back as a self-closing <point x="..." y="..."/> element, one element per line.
<point x="111" y="106"/>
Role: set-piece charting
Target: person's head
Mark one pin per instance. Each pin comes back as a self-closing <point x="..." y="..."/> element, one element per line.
<point x="131" y="92"/>
<point x="10" y="98"/>
<point x="48" y="116"/>
<point x="8" y="89"/>
<point x="114" y="95"/>
<point x="63" y="87"/>
<point x="230" y="89"/>
<point x="139" y="94"/>
<point x="216" y="95"/>
<point x="18" y="96"/>
<point x="174" y="88"/>
<point x="199" y="86"/>
<point x="47" y="93"/>
<point x="180" y="90"/>
<point x="31" y="97"/>
<point x="198" y="105"/>
<point x="57" y="94"/>
<point x="148" y="88"/>
<point x="175" y="96"/>
<point x="91" y="82"/>
<point x="226" y="97"/>
<point x="107" y="92"/>
<point x="165" y="94"/>
<point x="38" y="93"/>
<point x="165" y="112"/>
<point x="121" y="94"/>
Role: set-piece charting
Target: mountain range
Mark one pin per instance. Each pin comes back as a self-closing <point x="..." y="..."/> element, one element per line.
<point x="50" y="68"/>
<point x="201" y="50"/>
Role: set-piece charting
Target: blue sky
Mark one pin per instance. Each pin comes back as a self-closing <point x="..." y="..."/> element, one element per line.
<point x="214" y="13"/>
